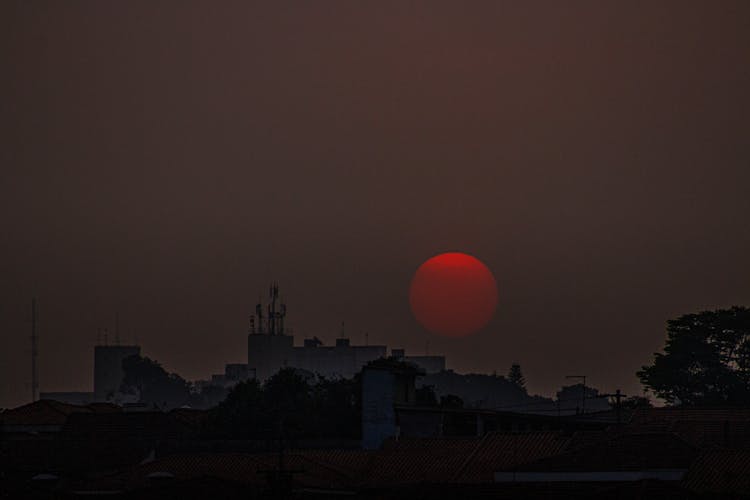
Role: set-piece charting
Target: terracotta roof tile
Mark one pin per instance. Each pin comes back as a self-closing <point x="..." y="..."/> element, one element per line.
<point x="237" y="467"/>
<point x="43" y="412"/>
<point x="622" y="452"/>
<point x="718" y="472"/>
<point x="504" y="451"/>
<point x="671" y="414"/>
<point x="713" y="433"/>
<point x="431" y="460"/>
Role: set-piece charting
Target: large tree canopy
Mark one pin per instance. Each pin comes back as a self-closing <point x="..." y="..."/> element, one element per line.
<point x="291" y="405"/>
<point x="153" y="384"/>
<point x="706" y="360"/>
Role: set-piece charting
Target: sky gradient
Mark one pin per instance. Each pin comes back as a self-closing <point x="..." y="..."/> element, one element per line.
<point x="168" y="160"/>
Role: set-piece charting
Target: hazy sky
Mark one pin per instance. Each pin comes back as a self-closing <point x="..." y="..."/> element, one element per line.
<point x="167" y="160"/>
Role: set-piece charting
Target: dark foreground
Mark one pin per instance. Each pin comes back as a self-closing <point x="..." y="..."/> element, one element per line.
<point x="51" y="450"/>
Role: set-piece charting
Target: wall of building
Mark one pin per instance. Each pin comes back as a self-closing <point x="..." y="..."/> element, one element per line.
<point x="378" y="414"/>
<point x="267" y="354"/>
<point x="430" y="364"/>
<point x="335" y="361"/>
<point x="108" y="372"/>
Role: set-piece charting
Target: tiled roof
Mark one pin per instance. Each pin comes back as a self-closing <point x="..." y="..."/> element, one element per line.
<point x="189" y="417"/>
<point x="671" y="414"/>
<point x="713" y="433"/>
<point x="431" y="460"/>
<point x="720" y="472"/>
<point x="104" y="407"/>
<point x="311" y="469"/>
<point x="227" y="466"/>
<point x="436" y="461"/>
<point x="611" y="416"/>
<point x="42" y="412"/>
<point x="455" y="459"/>
<point x="351" y="463"/>
<point x="622" y="452"/>
<point x="123" y="425"/>
<point x="503" y="451"/>
<point x="702" y="427"/>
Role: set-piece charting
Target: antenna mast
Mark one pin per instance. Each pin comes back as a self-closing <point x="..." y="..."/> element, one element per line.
<point x="117" y="328"/>
<point x="273" y="294"/>
<point x="34" y="353"/>
<point x="259" y="312"/>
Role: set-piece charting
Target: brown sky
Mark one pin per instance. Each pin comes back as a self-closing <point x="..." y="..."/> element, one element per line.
<point x="168" y="159"/>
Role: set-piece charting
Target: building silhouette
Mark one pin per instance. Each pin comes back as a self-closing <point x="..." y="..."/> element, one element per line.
<point x="270" y="348"/>
<point x="108" y="373"/>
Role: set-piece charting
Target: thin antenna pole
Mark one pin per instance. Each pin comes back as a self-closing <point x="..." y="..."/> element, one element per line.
<point x="34" y="352"/>
<point x="259" y="313"/>
<point x="117" y="328"/>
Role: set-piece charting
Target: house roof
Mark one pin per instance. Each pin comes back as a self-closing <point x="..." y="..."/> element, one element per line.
<point x="713" y="433"/>
<point x="702" y="427"/>
<point x="627" y="451"/>
<point x="715" y="472"/>
<point x="123" y="425"/>
<point x="190" y="417"/>
<point x="308" y="469"/>
<point x="503" y="451"/>
<point x="50" y="412"/>
<point x="674" y="413"/>
<point x="419" y="460"/>
<point x="443" y="461"/>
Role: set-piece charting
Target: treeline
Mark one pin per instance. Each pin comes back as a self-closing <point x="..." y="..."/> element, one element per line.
<point x="145" y="381"/>
<point x="706" y="361"/>
<point x="288" y="405"/>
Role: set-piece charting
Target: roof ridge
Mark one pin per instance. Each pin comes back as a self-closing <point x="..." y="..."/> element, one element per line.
<point x="55" y="407"/>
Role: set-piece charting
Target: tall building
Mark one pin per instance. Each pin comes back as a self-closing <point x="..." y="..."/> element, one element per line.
<point x="270" y="348"/>
<point x="430" y="364"/>
<point x="108" y="371"/>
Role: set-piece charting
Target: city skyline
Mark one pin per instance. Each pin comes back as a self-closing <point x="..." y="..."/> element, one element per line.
<point x="167" y="164"/>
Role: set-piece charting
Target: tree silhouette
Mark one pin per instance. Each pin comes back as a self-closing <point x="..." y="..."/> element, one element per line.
<point x="515" y="375"/>
<point x="292" y="404"/>
<point x="241" y="415"/>
<point x="706" y="360"/>
<point x="153" y="385"/>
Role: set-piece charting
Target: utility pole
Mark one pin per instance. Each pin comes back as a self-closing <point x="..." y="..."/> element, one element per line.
<point x="618" y="406"/>
<point x="34" y="352"/>
<point x="583" y="393"/>
<point x="618" y="395"/>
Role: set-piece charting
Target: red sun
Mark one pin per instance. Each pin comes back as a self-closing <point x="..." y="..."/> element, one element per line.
<point x="453" y="294"/>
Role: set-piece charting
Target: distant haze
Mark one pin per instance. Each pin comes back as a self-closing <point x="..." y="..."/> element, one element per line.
<point x="168" y="160"/>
